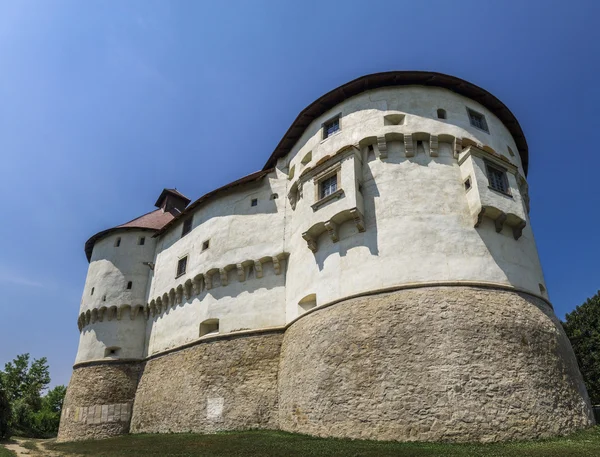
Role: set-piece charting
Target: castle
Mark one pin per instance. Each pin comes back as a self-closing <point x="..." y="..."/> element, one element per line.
<point x="378" y="278"/>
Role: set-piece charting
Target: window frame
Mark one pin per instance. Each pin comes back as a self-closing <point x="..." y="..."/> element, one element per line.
<point x="331" y="120"/>
<point x="177" y="271"/>
<point x="471" y="113"/>
<point x="334" y="171"/>
<point x="503" y="171"/>
<point x="253" y="202"/>
<point x="190" y="221"/>
<point x="142" y="241"/>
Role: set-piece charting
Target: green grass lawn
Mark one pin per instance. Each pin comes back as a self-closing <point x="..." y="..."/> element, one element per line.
<point x="5" y="452"/>
<point x="280" y="444"/>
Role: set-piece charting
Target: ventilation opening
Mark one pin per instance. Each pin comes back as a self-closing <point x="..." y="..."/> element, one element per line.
<point x="118" y="242"/>
<point x="142" y="240"/>
<point x="129" y="285"/>
<point x="103" y="297"/>
<point x="92" y="291"/>
<point x="205" y="245"/>
<point x="274" y="196"/>
<point x="254" y="202"/>
<point x="113" y="351"/>
<point x="307" y="303"/>
<point x="307" y="158"/>
<point x="468" y="183"/>
<point x="209" y="327"/>
<point x="393" y="119"/>
<point x="441" y="114"/>
<point x="510" y="151"/>
<point x="542" y="288"/>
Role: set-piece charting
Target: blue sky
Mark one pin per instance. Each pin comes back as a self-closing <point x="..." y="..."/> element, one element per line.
<point x="104" y="103"/>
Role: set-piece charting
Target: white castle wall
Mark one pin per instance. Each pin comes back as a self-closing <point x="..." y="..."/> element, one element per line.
<point x="417" y="226"/>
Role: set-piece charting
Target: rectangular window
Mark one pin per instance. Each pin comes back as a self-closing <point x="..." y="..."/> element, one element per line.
<point x="477" y="120"/>
<point x="330" y="127"/>
<point x="497" y="179"/>
<point x="181" y="266"/>
<point x="187" y="227"/>
<point x="142" y="240"/>
<point x="254" y="202"/>
<point x="118" y="242"/>
<point x="328" y="186"/>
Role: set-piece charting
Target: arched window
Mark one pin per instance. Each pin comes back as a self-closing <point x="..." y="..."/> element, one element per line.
<point x="441" y="113"/>
<point x="209" y="327"/>
<point x="129" y="285"/>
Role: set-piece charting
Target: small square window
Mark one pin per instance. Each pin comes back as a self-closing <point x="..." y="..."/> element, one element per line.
<point x="205" y="245"/>
<point x="129" y="285"/>
<point x="254" y="202"/>
<point x="142" y="240"/>
<point x="497" y="179"/>
<point x="118" y="242"/>
<point x="328" y="186"/>
<point x="181" y="266"/>
<point x="477" y="120"/>
<point x="187" y="227"/>
<point x="331" y="127"/>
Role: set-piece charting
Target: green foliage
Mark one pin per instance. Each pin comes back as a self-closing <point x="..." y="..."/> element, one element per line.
<point x="583" y="329"/>
<point x="5" y="412"/>
<point x="31" y="414"/>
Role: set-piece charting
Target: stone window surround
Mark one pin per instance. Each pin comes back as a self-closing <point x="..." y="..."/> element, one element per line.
<point x="502" y="170"/>
<point x="334" y="170"/>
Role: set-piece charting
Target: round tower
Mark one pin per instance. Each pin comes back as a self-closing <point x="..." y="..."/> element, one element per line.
<point x="112" y="323"/>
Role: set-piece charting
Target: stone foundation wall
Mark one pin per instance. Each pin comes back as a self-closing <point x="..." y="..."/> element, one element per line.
<point x="439" y="363"/>
<point x="223" y="384"/>
<point x="99" y="401"/>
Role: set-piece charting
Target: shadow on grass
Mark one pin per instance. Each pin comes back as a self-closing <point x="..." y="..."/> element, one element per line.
<point x="273" y="443"/>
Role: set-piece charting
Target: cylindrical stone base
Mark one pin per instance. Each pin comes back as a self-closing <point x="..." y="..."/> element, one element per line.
<point x="432" y="364"/>
<point x="99" y="401"/>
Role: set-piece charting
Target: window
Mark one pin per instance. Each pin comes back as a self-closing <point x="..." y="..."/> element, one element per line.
<point x="112" y="351"/>
<point x="393" y="119"/>
<point x="542" y="288"/>
<point x="129" y="285"/>
<point x="497" y="178"/>
<point x="103" y="297"/>
<point x="468" y="183"/>
<point x="118" y="242"/>
<point x="92" y="291"/>
<point x="274" y="196"/>
<point x="370" y="153"/>
<point x="307" y="158"/>
<point x="209" y="327"/>
<point x="205" y="245"/>
<point x="142" y="240"/>
<point x="510" y="151"/>
<point x="254" y="202"/>
<point x="477" y="120"/>
<point x="331" y="127"/>
<point x="441" y="113"/>
<point x="181" y="266"/>
<point x="328" y="186"/>
<point x="187" y="227"/>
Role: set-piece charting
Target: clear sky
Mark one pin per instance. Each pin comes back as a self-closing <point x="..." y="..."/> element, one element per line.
<point x="104" y="103"/>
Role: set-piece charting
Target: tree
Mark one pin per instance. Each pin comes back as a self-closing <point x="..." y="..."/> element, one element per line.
<point x="583" y="329"/>
<point x="5" y="412"/>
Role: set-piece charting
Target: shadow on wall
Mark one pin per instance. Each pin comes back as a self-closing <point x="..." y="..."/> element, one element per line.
<point x="260" y="191"/>
<point x="349" y="236"/>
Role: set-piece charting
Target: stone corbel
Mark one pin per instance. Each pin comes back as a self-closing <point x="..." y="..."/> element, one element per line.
<point x="133" y="312"/>
<point x="332" y="229"/>
<point x="94" y="316"/>
<point x="241" y="272"/>
<point x="499" y="222"/>
<point x="208" y="281"/>
<point x="119" y="313"/>
<point x="79" y="324"/>
<point x="197" y="285"/>
<point x="178" y="296"/>
<point x="457" y="147"/>
<point x="479" y="217"/>
<point x="433" y="145"/>
<point x="518" y="230"/>
<point x="88" y="316"/>
<point x="101" y="314"/>
<point x="382" y="146"/>
<point x="359" y="220"/>
<point x="310" y="241"/>
<point x="276" y="266"/>
<point x="409" y="147"/>
<point x="146" y="312"/>
<point x="258" y="271"/>
<point x="223" y="274"/>
<point x="300" y="187"/>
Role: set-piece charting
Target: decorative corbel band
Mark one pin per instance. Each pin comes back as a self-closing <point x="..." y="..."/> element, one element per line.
<point x="223" y="276"/>
<point x="409" y="147"/>
<point x="276" y="265"/>
<point x="208" y="281"/>
<point x="359" y="220"/>
<point x="332" y="229"/>
<point x="241" y="272"/>
<point x="499" y="222"/>
<point x="382" y="146"/>
<point x="433" y="145"/>
<point x="258" y="269"/>
<point x="518" y="230"/>
<point x="457" y="147"/>
<point x="310" y="241"/>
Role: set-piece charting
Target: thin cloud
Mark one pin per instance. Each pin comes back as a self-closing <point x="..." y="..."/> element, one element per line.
<point x="14" y="278"/>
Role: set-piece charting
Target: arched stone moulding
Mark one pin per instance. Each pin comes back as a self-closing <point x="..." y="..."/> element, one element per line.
<point x="188" y="289"/>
